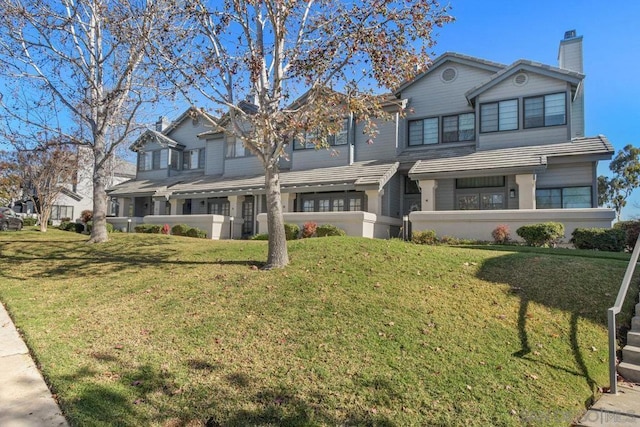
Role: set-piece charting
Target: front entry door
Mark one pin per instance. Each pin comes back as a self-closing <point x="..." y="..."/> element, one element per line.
<point x="247" y="216"/>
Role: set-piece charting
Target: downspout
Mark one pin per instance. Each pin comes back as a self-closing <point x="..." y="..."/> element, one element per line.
<point x="352" y="143"/>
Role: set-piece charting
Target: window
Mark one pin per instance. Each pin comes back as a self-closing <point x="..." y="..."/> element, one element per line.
<point x="332" y="202"/>
<point x="499" y="116"/>
<point x="480" y="182"/>
<point x="58" y="212"/>
<point x="309" y="139"/>
<point x="563" y="198"/>
<point x="411" y="186"/>
<point x="144" y="160"/>
<point x="492" y="201"/>
<point x="458" y="128"/>
<point x="193" y="159"/>
<point x="156" y="159"/>
<point x="423" y="132"/>
<point x="218" y="206"/>
<point x="308" y="206"/>
<point x="548" y="110"/>
<point x="235" y="147"/>
<point x="174" y="159"/>
<point x="481" y="193"/>
<point x="152" y="160"/>
<point x="324" y="205"/>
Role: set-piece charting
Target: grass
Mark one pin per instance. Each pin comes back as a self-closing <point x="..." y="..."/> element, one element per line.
<point x="170" y="331"/>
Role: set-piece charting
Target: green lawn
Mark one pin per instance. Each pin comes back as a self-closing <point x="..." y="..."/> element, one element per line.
<point x="171" y="331"/>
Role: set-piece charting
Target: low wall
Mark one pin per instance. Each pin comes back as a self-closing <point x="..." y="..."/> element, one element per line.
<point x="216" y="226"/>
<point x="478" y="225"/>
<point x="361" y="224"/>
<point x="122" y="222"/>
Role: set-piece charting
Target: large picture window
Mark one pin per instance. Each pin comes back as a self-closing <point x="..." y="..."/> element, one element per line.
<point x="547" y="110"/>
<point x="58" y="212"/>
<point x="332" y="202"/>
<point x="423" y="132"/>
<point x="153" y="160"/>
<point x="499" y="116"/>
<point x="563" y="198"/>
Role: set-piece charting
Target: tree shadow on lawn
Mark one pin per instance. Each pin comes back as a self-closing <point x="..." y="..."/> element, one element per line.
<point x="554" y="283"/>
<point x="68" y="259"/>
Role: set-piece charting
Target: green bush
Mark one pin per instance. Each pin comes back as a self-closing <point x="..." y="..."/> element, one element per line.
<point x="179" y="229"/>
<point x="543" y="234"/>
<point x="28" y="221"/>
<point x="89" y="226"/>
<point x="63" y="225"/>
<point x="601" y="239"/>
<point x="109" y="227"/>
<point x="196" y="232"/>
<point x="329" y="230"/>
<point x="148" y="228"/>
<point x="291" y="231"/>
<point x="263" y="236"/>
<point x="449" y="240"/>
<point x="631" y="229"/>
<point x="79" y="227"/>
<point x="425" y="237"/>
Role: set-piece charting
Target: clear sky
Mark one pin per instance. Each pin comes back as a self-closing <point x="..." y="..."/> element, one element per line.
<point x="507" y="30"/>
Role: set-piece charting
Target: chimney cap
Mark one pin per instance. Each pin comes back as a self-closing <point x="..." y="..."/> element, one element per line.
<point x="570" y="34"/>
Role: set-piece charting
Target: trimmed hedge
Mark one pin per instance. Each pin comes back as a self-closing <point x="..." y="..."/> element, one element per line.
<point x="291" y="231"/>
<point x="542" y="234"/>
<point x="28" y="221"/>
<point x="601" y="239"/>
<point x="148" y="228"/>
<point x="180" y="229"/>
<point x="425" y="237"/>
<point x="631" y="229"/>
<point x="196" y="232"/>
<point x="329" y="230"/>
<point x="262" y="236"/>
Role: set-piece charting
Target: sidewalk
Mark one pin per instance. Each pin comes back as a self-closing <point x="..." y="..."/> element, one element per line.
<point x="25" y="400"/>
<point x="611" y="410"/>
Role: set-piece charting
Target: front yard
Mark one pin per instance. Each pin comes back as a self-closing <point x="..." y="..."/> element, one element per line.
<point x="169" y="331"/>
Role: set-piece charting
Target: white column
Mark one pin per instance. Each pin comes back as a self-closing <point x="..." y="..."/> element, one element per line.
<point x="235" y="211"/>
<point x="526" y="191"/>
<point x="174" y="205"/>
<point x="288" y="201"/>
<point x="374" y="201"/>
<point x="428" y="194"/>
<point x="157" y="205"/>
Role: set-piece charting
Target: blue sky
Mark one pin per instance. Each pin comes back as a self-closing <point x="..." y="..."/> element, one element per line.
<point x="505" y="31"/>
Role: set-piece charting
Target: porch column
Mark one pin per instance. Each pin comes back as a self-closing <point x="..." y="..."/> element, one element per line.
<point x="123" y="206"/>
<point x="157" y="206"/>
<point x="174" y="206"/>
<point x="428" y="194"/>
<point x="374" y="201"/>
<point x="526" y="191"/>
<point x="288" y="201"/>
<point x="235" y="211"/>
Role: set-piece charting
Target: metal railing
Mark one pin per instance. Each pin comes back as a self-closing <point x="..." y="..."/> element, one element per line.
<point x="611" y="316"/>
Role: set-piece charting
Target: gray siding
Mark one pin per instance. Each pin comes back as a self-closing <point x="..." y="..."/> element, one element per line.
<point x="445" y="194"/>
<point x="512" y="203"/>
<point x="312" y="159"/>
<point x="214" y="154"/>
<point x="152" y="174"/>
<point x="186" y="133"/>
<point x="197" y="207"/>
<point x="393" y="191"/>
<point x="522" y="137"/>
<point x="566" y="175"/>
<point x="536" y="85"/>
<point x="385" y="144"/>
<point x="243" y="166"/>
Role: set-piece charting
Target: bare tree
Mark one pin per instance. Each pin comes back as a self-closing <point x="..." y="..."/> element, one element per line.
<point x="80" y="75"/>
<point x="332" y="57"/>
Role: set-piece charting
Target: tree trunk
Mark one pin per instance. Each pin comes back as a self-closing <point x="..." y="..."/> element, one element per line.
<point x="278" y="256"/>
<point x="99" y="230"/>
<point x="45" y="214"/>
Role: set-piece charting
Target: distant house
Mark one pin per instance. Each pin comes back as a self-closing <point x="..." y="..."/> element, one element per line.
<point x="484" y="144"/>
<point x="77" y="195"/>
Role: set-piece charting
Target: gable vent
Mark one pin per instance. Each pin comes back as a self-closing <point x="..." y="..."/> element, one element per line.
<point x="520" y="79"/>
<point x="449" y="74"/>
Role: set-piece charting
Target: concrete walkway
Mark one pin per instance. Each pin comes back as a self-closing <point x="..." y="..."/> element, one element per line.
<point x="25" y="399"/>
<point x="611" y="410"/>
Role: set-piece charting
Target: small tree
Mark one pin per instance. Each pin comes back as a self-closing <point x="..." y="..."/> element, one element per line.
<point x="253" y="59"/>
<point x="10" y="179"/>
<point x="614" y="192"/>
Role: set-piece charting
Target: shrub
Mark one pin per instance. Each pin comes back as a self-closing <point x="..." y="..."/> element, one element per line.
<point x="449" y="240"/>
<point x="309" y="229"/>
<point x="425" y="237"/>
<point x="79" y="227"/>
<point x="147" y="228"/>
<point x="631" y="229"/>
<point x="89" y="226"/>
<point x="543" y="234"/>
<point x="329" y="230"/>
<point x="501" y="234"/>
<point x="63" y="225"/>
<point x="166" y="229"/>
<point x="263" y="236"/>
<point x="196" y="232"/>
<point x="86" y="215"/>
<point x="291" y="231"/>
<point x="109" y="227"/>
<point x="601" y="239"/>
<point x="179" y="229"/>
<point x="28" y="221"/>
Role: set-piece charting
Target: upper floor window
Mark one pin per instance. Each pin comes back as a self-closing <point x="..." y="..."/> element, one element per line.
<point x="152" y="160"/>
<point x="423" y="132"/>
<point x="174" y="159"/>
<point x="459" y="128"/>
<point x="235" y="147"/>
<point x="310" y="139"/>
<point x="499" y="116"/>
<point x="547" y="110"/>
<point x="193" y="159"/>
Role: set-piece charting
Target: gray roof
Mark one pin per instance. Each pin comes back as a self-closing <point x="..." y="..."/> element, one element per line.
<point x="359" y="175"/>
<point x="462" y="161"/>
